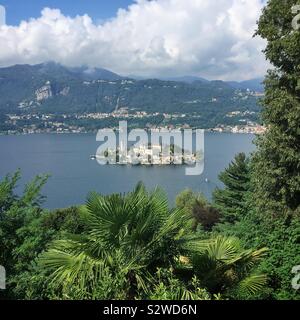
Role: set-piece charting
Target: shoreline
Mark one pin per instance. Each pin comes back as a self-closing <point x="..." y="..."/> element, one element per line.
<point x="215" y="130"/>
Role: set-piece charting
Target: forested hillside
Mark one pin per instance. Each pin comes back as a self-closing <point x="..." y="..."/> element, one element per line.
<point x="52" y="88"/>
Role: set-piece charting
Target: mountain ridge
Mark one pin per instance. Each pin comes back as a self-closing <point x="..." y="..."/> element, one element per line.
<point x="51" y="88"/>
<point x="255" y="84"/>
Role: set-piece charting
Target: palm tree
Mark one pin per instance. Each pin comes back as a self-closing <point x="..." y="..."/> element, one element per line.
<point x="126" y="236"/>
<point x="225" y="267"/>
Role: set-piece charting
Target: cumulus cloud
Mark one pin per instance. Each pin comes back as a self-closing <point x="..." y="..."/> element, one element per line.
<point x="209" y="38"/>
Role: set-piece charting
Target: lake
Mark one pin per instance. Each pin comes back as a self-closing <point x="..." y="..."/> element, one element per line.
<point x="73" y="175"/>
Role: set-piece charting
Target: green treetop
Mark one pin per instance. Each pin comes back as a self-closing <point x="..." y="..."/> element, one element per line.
<point x="231" y="201"/>
<point x="277" y="162"/>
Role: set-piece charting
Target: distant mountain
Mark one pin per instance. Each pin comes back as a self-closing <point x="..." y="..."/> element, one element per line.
<point x="253" y="85"/>
<point x="186" y="79"/>
<point x="84" y="73"/>
<point x="53" y="88"/>
<point x="87" y="73"/>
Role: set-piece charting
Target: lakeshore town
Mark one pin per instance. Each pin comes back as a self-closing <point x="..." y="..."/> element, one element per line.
<point x="70" y="123"/>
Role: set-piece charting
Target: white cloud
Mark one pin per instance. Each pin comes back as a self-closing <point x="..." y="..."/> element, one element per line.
<point x="210" y="38"/>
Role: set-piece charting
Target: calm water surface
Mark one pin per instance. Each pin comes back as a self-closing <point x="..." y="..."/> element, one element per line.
<point x="67" y="158"/>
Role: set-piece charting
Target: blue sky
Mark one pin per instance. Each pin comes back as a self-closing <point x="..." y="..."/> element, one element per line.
<point x="17" y="10"/>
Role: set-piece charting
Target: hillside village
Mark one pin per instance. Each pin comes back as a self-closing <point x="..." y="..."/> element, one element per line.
<point x="50" y="98"/>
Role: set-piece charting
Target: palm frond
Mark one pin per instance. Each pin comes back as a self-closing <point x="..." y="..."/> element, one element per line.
<point x="252" y="284"/>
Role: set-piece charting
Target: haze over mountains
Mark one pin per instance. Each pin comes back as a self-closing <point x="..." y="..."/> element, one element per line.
<point x="87" y="73"/>
<point x="252" y="84"/>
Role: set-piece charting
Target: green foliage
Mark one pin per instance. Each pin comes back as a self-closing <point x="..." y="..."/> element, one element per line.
<point x="168" y="287"/>
<point x="25" y="231"/>
<point x="15" y="213"/>
<point x="278" y="231"/>
<point x="281" y="235"/>
<point x="196" y="205"/>
<point x="115" y="247"/>
<point x="277" y="162"/>
<point x="270" y="210"/>
<point x="224" y="266"/>
<point x="231" y="201"/>
<point x="29" y="281"/>
<point x="128" y="237"/>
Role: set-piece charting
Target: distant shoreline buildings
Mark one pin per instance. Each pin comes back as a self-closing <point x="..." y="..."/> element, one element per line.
<point x="249" y="129"/>
<point x="71" y="123"/>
